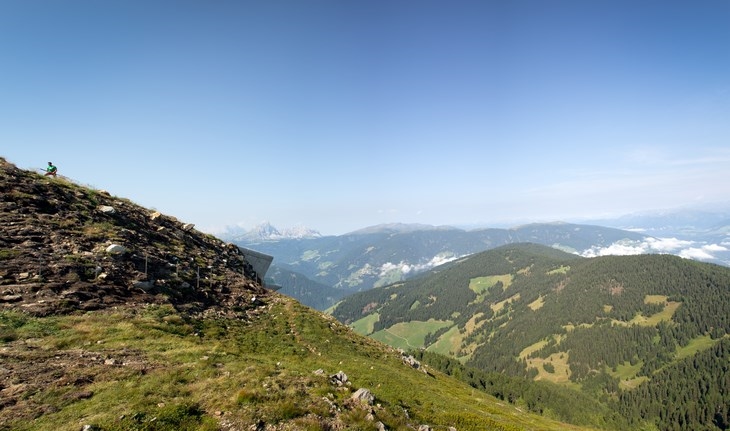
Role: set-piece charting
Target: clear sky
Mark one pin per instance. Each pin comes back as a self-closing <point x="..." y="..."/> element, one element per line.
<point x="341" y="114"/>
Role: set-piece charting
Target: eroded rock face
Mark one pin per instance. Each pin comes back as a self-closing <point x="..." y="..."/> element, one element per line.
<point x="64" y="248"/>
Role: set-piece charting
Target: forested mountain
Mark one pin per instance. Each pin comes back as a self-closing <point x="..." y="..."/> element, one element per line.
<point x="384" y="254"/>
<point x="624" y="330"/>
<point x="306" y="291"/>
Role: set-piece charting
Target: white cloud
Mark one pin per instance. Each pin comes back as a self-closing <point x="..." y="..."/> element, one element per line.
<point x="617" y="248"/>
<point x="667" y="244"/>
<point x="683" y="248"/>
<point x="405" y="267"/>
<point x="696" y="253"/>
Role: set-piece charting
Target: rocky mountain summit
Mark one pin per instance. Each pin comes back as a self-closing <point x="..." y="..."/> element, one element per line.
<point x="267" y="232"/>
<point x="64" y="248"/>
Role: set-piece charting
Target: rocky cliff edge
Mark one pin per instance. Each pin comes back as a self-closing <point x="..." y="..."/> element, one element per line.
<point x="65" y="247"/>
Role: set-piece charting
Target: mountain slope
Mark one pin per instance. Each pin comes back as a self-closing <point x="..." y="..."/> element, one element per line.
<point x="385" y="254"/>
<point x="105" y="324"/>
<point x="607" y="325"/>
<point x="306" y="291"/>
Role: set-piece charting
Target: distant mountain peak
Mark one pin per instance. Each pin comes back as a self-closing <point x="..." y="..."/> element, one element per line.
<point x="540" y="224"/>
<point x="265" y="231"/>
<point x="399" y="228"/>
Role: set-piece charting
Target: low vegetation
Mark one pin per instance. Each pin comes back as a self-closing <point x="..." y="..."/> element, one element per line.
<point x="153" y="368"/>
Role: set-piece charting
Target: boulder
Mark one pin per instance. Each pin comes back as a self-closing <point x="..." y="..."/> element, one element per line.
<point x="411" y="361"/>
<point x="11" y="298"/>
<point x="144" y="285"/>
<point x="116" y="249"/>
<point x="339" y="379"/>
<point x="363" y="396"/>
<point x="106" y="209"/>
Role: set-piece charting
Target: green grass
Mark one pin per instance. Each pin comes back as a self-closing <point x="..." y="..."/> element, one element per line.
<point x="554" y="368"/>
<point x="178" y="372"/>
<point x="8" y="253"/>
<point x="694" y="346"/>
<point x="663" y="316"/>
<point x="498" y="306"/>
<point x="448" y="343"/>
<point x="626" y="371"/>
<point x="365" y="325"/>
<point x="561" y="270"/>
<point x="410" y="335"/>
<point x="537" y="304"/>
<point x="480" y="285"/>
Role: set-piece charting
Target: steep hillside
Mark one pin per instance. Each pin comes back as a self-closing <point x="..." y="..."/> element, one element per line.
<point x="609" y="326"/>
<point x="114" y="317"/>
<point x="386" y="254"/>
<point x="306" y="291"/>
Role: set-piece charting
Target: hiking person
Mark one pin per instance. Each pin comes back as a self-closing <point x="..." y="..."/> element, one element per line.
<point x="51" y="170"/>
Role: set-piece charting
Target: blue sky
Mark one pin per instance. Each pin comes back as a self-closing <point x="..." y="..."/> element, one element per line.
<point x="343" y="114"/>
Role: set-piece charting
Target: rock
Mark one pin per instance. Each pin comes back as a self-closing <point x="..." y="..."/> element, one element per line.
<point x="106" y="209"/>
<point x="363" y="396"/>
<point x="11" y="298"/>
<point x="259" y="426"/>
<point x="339" y="379"/>
<point x="256" y="302"/>
<point x="144" y="285"/>
<point x="116" y="249"/>
<point x="319" y="372"/>
<point x="23" y="275"/>
<point x="411" y="361"/>
<point x="424" y="428"/>
<point x="380" y="426"/>
<point x="155" y="215"/>
<point x="188" y="227"/>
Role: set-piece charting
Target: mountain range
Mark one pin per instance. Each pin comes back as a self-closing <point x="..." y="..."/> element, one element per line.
<point x="384" y="254"/>
<point x="328" y="268"/>
<point x="267" y="232"/>
<point x="630" y="333"/>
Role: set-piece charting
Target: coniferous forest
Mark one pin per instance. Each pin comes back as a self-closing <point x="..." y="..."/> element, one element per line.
<point x="627" y="342"/>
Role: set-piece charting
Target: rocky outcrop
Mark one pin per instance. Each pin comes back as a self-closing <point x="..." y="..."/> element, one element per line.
<point x="64" y="247"/>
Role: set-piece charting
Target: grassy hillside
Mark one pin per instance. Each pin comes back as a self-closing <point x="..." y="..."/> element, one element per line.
<point x="115" y="317"/>
<point x="604" y="326"/>
<point x="154" y="368"/>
